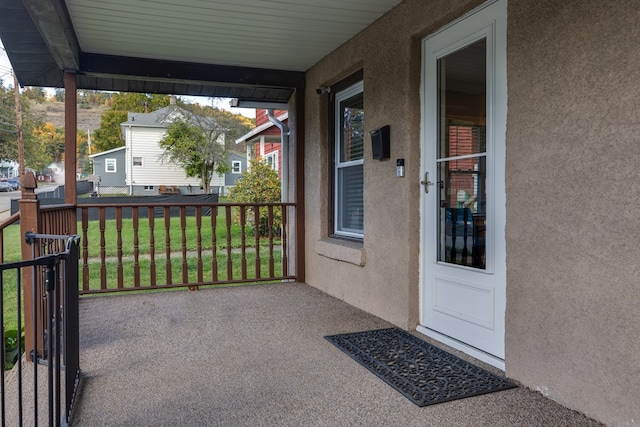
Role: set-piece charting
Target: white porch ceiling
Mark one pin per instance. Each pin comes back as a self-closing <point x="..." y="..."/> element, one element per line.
<point x="275" y="34"/>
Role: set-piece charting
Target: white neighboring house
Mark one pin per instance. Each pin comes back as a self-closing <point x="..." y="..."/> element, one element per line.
<point x="9" y="169"/>
<point x="145" y="173"/>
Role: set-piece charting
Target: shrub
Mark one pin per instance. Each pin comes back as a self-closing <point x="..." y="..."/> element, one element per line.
<point x="259" y="184"/>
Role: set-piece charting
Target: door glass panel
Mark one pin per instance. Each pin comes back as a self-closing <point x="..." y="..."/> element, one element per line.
<point x="462" y="157"/>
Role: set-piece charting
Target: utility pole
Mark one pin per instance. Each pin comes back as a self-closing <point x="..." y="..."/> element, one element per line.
<point x="16" y="88"/>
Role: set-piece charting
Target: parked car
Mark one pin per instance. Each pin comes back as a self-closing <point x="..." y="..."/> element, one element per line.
<point x="15" y="183"/>
<point x="5" y="186"/>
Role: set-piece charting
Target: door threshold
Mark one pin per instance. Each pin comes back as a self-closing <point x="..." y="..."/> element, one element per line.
<point x="467" y="349"/>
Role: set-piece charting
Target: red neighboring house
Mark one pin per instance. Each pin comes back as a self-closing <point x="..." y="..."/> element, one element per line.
<point x="264" y="140"/>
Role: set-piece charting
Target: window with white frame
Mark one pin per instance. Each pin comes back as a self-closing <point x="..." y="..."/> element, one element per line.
<point x="148" y="188"/>
<point x="137" y="161"/>
<point x="272" y="160"/>
<point x="110" y="165"/>
<point x="348" y="200"/>
<point x="236" y="166"/>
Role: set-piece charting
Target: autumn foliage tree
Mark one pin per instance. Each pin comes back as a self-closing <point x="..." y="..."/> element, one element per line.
<point x="259" y="184"/>
<point x="109" y="135"/>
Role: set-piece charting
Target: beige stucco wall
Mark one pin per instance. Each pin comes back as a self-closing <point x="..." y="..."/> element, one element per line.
<point x="573" y="215"/>
<point x="389" y="55"/>
<point x="573" y="212"/>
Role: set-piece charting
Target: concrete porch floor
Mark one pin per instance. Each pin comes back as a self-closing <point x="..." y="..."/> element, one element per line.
<point x="256" y="356"/>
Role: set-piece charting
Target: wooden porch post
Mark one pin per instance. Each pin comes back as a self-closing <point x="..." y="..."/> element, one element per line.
<point x="70" y="144"/>
<point x="30" y="222"/>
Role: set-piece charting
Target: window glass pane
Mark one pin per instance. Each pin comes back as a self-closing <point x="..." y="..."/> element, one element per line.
<point x="462" y="132"/>
<point x="352" y="126"/>
<point x="350" y="199"/>
<point x="463" y="211"/>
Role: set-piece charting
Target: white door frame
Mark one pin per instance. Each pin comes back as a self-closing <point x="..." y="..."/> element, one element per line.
<point x="490" y="17"/>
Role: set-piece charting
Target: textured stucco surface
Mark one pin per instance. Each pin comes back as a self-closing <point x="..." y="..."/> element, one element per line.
<point x="388" y="53"/>
<point x="573" y="145"/>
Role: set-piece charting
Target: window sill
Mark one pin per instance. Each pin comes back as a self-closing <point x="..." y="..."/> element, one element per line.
<point x="342" y="250"/>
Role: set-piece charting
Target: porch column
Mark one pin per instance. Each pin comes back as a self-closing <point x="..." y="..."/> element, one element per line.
<point x="70" y="143"/>
<point x="296" y="126"/>
<point x="29" y="222"/>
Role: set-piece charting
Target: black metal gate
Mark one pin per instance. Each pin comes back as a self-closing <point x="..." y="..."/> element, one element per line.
<point x="25" y="399"/>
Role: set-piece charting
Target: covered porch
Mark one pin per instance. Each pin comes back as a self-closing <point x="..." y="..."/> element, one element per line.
<point x="255" y="355"/>
<point x="563" y="173"/>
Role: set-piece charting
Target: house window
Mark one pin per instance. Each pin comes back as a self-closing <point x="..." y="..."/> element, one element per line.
<point x="137" y="161"/>
<point x="348" y="177"/>
<point x="272" y="160"/>
<point x="110" y="165"/>
<point x="236" y="166"/>
<point x="148" y="188"/>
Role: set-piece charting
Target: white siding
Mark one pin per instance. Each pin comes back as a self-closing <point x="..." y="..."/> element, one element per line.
<point x="143" y="142"/>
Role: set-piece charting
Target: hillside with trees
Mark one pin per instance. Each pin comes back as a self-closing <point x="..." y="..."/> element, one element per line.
<point x="99" y="116"/>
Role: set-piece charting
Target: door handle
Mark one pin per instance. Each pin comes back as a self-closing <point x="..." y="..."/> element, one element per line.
<point x="426" y="182"/>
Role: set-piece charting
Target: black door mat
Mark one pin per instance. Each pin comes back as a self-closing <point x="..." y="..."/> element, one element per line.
<point x="421" y="372"/>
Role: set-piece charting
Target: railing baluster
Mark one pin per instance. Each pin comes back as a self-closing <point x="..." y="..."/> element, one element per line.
<point x="271" y="259"/>
<point x="229" y="260"/>
<point x="199" y="242"/>
<point x="3" y="393"/>
<point x="183" y="244"/>
<point x="151" y="214"/>
<point x="1" y="248"/>
<point x="85" y="249"/>
<point x="136" y="246"/>
<point x="256" y="231"/>
<point x="167" y="244"/>
<point x="119" y="246"/>
<point x="37" y="297"/>
<point x="214" y="244"/>
<point x="283" y="241"/>
<point x="103" y="250"/>
<point x="243" y="246"/>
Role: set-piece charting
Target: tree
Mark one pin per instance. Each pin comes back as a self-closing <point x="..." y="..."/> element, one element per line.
<point x="35" y="94"/>
<point x="51" y="140"/>
<point x="33" y="151"/>
<point x="235" y="125"/>
<point x="109" y="135"/>
<point x="197" y="142"/>
<point x="259" y="184"/>
<point x="197" y="148"/>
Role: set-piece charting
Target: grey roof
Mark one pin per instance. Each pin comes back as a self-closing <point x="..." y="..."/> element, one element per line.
<point x="158" y="118"/>
<point x="161" y="117"/>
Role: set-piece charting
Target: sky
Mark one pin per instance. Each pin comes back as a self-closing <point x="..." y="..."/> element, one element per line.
<point x="223" y="103"/>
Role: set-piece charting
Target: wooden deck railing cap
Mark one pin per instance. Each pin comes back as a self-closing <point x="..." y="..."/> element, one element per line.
<point x="29" y="185"/>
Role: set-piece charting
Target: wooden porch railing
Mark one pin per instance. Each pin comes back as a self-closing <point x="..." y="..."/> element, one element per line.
<point x="150" y="246"/>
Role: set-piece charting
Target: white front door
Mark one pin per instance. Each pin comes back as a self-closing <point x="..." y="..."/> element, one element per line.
<point x="464" y="105"/>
